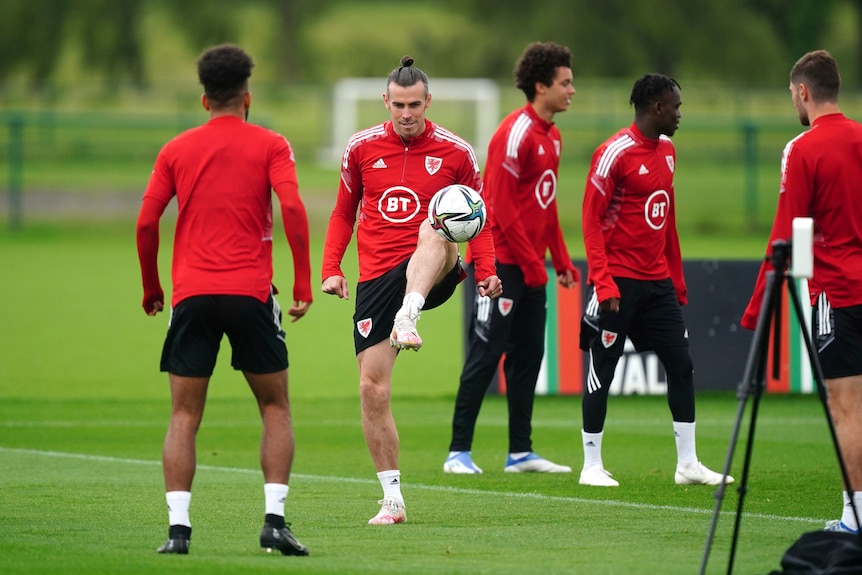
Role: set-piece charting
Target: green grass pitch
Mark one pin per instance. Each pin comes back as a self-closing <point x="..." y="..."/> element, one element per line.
<point x="83" y="411"/>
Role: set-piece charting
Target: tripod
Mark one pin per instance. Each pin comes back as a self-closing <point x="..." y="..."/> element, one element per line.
<point x="753" y="382"/>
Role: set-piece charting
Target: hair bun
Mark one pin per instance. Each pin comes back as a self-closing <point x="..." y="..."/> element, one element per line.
<point x="406" y="61"/>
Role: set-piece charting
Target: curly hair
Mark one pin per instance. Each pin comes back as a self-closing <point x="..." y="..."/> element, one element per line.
<point x="539" y="63"/>
<point x="407" y="75"/>
<point x="224" y="72"/>
<point x="819" y="71"/>
<point x="650" y="88"/>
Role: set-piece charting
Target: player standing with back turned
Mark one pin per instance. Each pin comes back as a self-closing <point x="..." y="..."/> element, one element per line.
<point x="222" y="175"/>
<point x="821" y="175"/>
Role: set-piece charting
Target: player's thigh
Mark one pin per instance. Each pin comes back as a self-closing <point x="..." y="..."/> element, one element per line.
<point x="614" y="326"/>
<point x="194" y="335"/>
<point x="255" y="333"/>
<point x="528" y="329"/>
<point x="188" y="396"/>
<point x="375" y="367"/>
<point x="444" y="289"/>
<point x="377" y="302"/>
<point x="659" y="322"/>
<point x="838" y="337"/>
<point x="493" y="319"/>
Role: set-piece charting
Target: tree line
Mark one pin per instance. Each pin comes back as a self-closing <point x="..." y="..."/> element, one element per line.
<point x="744" y="41"/>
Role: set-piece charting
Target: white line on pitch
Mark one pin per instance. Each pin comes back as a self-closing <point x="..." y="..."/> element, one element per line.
<point x="449" y="489"/>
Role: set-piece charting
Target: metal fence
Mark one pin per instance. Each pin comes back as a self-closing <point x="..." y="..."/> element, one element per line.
<point x="728" y="145"/>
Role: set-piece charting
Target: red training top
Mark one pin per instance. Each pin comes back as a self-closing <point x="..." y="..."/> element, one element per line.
<point x="821" y="174"/>
<point x="223" y="174"/>
<point x="387" y="184"/>
<point x="520" y="192"/>
<point x="629" y="219"/>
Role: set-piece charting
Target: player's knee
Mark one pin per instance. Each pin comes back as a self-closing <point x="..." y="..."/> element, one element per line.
<point x="374" y="390"/>
<point x="678" y="365"/>
<point x="603" y="363"/>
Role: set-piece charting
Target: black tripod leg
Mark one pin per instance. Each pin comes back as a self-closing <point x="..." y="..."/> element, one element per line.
<point x="719" y="493"/>
<point x="822" y="392"/>
<point x="743" y="481"/>
<point x="752" y="381"/>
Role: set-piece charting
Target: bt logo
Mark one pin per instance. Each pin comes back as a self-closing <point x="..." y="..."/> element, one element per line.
<point x="398" y="204"/>
<point x="546" y="189"/>
<point x="656" y="209"/>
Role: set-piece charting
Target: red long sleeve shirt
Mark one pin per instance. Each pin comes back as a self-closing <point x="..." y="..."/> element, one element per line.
<point x="520" y="190"/>
<point x="222" y="174"/>
<point x="821" y="174"/>
<point x="629" y="220"/>
<point x="386" y="184"/>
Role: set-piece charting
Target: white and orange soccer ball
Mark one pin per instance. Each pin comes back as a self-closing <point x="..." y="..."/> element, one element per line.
<point x="457" y="213"/>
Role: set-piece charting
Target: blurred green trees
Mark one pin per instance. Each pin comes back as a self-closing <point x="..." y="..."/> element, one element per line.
<point x="751" y="41"/>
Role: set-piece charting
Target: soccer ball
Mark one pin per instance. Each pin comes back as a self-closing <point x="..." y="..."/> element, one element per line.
<point x="457" y="213"/>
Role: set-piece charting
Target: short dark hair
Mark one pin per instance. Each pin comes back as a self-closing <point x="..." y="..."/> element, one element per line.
<point x="539" y="63"/>
<point x="224" y="72"/>
<point x="819" y="71"/>
<point x="651" y="88"/>
<point x="407" y="75"/>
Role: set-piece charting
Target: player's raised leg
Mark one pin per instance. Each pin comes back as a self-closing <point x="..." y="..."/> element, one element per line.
<point x="428" y="265"/>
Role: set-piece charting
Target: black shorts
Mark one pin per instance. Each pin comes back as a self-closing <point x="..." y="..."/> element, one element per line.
<point x="196" y="327"/>
<point x="378" y="300"/>
<point x="838" y="338"/>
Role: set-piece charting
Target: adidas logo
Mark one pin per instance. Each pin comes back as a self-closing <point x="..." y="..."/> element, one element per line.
<point x="590" y="444"/>
<point x="643" y="170"/>
<point x="394" y="481"/>
<point x="541" y="150"/>
<point x="379" y="164"/>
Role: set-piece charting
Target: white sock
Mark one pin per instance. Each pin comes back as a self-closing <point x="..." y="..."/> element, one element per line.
<point x="413" y="303"/>
<point x="847" y="517"/>
<point x="454" y="453"/>
<point x="686" y="452"/>
<point x="390" y="481"/>
<point x="276" y="495"/>
<point x="592" y="448"/>
<point x="178" y="507"/>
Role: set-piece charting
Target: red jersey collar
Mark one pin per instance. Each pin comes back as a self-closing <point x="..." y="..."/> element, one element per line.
<point x="828" y="118"/>
<point x="642" y="140"/>
<point x="430" y="127"/>
<point x="226" y="118"/>
<point x="544" y="124"/>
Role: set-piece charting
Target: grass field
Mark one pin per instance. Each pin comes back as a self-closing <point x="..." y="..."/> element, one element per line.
<point x="713" y="219"/>
<point x="83" y="412"/>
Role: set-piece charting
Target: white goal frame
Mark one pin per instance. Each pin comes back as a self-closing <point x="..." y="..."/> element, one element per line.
<point x="348" y="92"/>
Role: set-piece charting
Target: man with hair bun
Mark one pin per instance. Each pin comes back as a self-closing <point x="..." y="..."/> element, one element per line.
<point x="635" y="268"/>
<point x="389" y="173"/>
<point x="520" y="192"/>
<point x="222" y="175"/>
